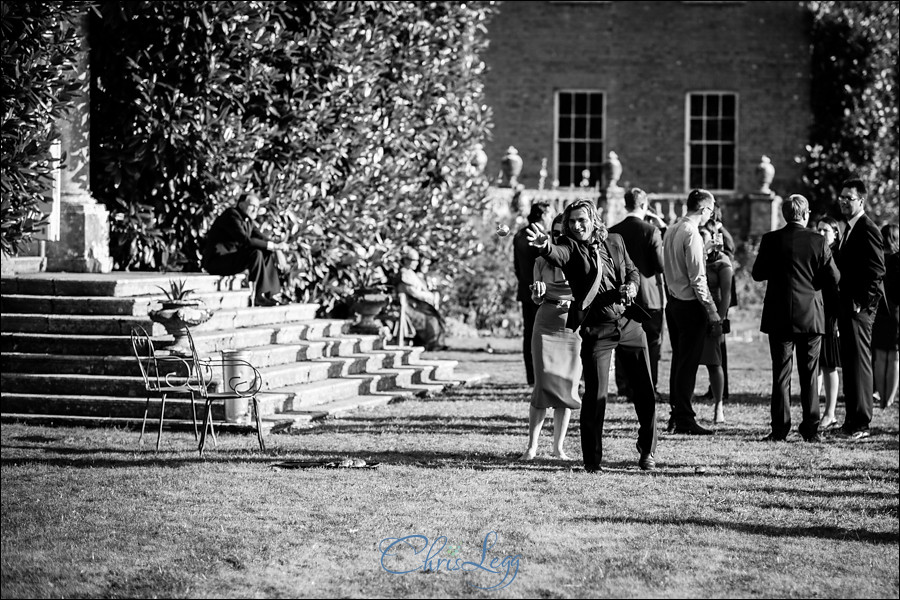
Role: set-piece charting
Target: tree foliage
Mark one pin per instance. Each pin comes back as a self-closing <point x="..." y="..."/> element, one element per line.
<point x="855" y="104"/>
<point x="39" y="47"/>
<point x="355" y="120"/>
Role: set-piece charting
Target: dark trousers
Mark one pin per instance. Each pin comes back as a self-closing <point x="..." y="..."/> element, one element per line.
<point x="653" y="329"/>
<point x="529" y="311"/>
<point x="597" y="347"/>
<point x="856" y="363"/>
<point x="261" y="267"/>
<point x="687" y="323"/>
<point x="781" y="348"/>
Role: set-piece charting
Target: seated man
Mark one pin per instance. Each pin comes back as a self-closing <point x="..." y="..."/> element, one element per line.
<point x="234" y="244"/>
<point x="422" y="306"/>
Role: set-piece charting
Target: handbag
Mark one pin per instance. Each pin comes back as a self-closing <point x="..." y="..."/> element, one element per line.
<point x="562" y="367"/>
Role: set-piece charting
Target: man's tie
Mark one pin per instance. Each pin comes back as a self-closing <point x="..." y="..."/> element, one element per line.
<point x="592" y="293"/>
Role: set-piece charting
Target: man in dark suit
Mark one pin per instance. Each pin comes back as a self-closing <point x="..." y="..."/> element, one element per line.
<point x="643" y="242"/>
<point x="861" y="263"/>
<point x="797" y="263"/>
<point x="524" y="256"/>
<point x="603" y="279"/>
<point x="234" y="244"/>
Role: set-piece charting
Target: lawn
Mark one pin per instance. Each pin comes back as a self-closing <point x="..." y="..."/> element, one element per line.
<point x="449" y="512"/>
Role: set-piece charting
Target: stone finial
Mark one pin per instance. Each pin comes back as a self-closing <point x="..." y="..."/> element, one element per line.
<point x="765" y="171"/>
<point x="612" y="170"/>
<point x="511" y="167"/>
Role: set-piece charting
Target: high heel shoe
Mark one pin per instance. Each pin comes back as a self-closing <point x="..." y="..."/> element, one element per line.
<point x="827" y="423"/>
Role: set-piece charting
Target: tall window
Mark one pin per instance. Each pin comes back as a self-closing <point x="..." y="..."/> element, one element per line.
<point x="579" y="136"/>
<point x="712" y="140"/>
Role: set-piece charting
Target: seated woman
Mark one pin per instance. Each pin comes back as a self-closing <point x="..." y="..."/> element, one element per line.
<point x="422" y="305"/>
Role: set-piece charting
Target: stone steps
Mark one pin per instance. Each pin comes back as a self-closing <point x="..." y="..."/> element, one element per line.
<point x="66" y="353"/>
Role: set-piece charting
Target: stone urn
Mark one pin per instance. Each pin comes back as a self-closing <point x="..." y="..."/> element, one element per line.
<point x="612" y="170"/>
<point x="367" y="305"/>
<point x="766" y="173"/>
<point x="511" y="167"/>
<point x="176" y="316"/>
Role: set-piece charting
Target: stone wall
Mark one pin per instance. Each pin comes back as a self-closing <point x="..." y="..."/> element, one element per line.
<point x="646" y="56"/>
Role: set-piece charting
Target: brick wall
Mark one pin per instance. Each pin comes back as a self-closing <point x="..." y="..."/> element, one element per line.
<point x="646" y="56"/>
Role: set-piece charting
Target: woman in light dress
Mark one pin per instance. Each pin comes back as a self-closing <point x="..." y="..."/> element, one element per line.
<point x="552" y="389"/>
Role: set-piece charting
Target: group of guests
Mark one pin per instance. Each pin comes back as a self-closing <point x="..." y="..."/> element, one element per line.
<point x="234" y="244"/>
<point x="590" y="294"/>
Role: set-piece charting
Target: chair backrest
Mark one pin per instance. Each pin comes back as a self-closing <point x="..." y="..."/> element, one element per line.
<point x="145" y="354"/>
<point x="239" y="376"/>
<point x="161" y="373"/>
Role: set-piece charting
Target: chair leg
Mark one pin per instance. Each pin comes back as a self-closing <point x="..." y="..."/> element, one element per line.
<point x="144" y="422"/>
<point x="162" y="413"/>
<point x="194" y="417"/>
<point x="207" y="424"/>
<point x="259" y="434"/>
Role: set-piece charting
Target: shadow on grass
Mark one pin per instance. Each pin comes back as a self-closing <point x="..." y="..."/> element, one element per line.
<point x="827" y="533"/>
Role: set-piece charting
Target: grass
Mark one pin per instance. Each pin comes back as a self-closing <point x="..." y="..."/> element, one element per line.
<point x="85" y="514"/>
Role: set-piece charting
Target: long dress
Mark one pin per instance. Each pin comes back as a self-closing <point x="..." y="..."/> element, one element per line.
<point x="557" y="364"/>
<point x="712" y="346"/>
<point x="830" y="354"/>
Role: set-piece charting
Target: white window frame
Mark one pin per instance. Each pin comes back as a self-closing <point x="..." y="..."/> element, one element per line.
<point x="688" y="143"/>
<point x="596" y="175"/>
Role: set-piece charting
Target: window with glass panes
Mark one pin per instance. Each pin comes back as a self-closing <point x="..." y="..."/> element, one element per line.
<point x="712" y="140"/>
<point x="579" y="136"/>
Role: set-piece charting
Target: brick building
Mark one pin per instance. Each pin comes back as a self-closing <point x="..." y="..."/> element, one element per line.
<point x="688" y="94"/>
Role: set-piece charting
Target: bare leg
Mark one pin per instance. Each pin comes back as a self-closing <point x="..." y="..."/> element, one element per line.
<point x="885" y="368"/>
<point x="535" y="422"/>
<point x="561" y="418"/>
<point x="830" y="382"/>
<point x="717" y="385"/>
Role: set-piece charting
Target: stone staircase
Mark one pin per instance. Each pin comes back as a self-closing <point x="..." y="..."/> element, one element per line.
<point x="67" y="358"/>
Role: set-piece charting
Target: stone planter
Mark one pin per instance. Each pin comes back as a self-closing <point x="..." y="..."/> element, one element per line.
<point x="367" y="306"/>
<point x="176" y="317"/>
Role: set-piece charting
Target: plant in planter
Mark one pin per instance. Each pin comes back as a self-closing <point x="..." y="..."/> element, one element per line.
<point x="373" y="292"/>
<point x="177" y="294"/>
<point x="179" y="312"/>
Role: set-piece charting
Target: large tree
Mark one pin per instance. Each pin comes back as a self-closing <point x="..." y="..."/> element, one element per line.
<point x="855" y="104"/>
<point x="38" y="50"/>
<point x="356" y="120"/>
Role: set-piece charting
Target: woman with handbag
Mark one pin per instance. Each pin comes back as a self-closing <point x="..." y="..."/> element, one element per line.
<point x="719" y="277"/>
<point x="555" y="354"/>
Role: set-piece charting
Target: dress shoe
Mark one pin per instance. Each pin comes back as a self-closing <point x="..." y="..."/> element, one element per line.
<point x="772" y="438"/>
<point x="647" y="462"/>
<point x="266" y="301"/>
<point x="693" y="429"/>
<point x="593" y="469"/>
<point x="815" y="438"/>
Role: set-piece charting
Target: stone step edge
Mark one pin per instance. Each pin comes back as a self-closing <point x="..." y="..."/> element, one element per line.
<point x="315" y="412"/>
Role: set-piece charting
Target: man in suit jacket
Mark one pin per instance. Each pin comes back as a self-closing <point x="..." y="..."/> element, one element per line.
<point x="861" y="263"/>
<point x="797" y="263"/>
<point x="602" y="278"/>
<point x="524" y="256"/>
<point x="643" y="242"/>
<point x="234" y="244"/>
